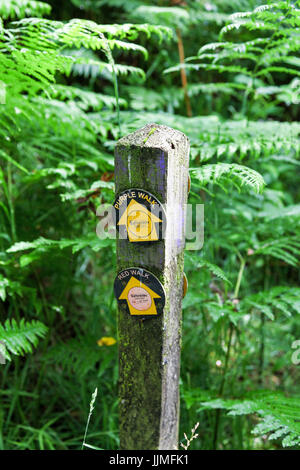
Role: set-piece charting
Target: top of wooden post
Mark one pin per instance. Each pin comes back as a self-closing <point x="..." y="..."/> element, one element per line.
<point x="153" y="136"/>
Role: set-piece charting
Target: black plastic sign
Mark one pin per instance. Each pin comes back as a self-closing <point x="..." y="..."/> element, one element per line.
<point x="139" y="216"/>
<point x="139" y="293"/>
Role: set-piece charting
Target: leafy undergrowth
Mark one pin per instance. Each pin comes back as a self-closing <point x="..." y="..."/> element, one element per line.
<point x="69" y="88"/>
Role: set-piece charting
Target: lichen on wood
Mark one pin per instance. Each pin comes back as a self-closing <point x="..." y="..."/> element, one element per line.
<point x="155" y="159"/>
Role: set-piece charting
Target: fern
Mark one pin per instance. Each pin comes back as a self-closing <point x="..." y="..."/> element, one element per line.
<point x="68" y="86"/>
<point x="271" y="50"/>
<point x="212" y="268"/>
<point x="280" y="299"/>
<point x="284" y="212"/>
<point x="39" y="49"/>
<point x="211" y="137"/>
<point x="239" y="175"/>
<point x="85" y="100"/>
<point x="20" y="8"/>
<point x="19" y="338"/>
<point x="280" y="415"/>
<point x="42" y="246"/>
<point x="94" y="68"/>
<point x="169" y="16"/>
<point x="82" y="193"/>
<point x="286" y="249"/>
<point x="80" y="356"/>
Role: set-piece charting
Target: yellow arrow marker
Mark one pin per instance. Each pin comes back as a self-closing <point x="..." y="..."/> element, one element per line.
<point x="139" y="298"/>
<point x="140" y="223"/>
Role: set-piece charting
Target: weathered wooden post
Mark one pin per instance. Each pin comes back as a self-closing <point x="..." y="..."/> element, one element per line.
<point x="151" y="176"/>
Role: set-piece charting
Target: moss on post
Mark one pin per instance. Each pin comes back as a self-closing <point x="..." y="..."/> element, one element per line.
<point x="155" y="159"/>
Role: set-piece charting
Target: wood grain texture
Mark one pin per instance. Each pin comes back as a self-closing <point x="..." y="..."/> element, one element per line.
<point x="154" y="158"/>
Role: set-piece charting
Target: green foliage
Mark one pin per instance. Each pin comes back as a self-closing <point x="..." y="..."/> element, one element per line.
<point x="278" y="299"/>
<point x="222" y="173"/>
<point x="170" y="16"/>
<point x="218" y="272"/>
<point x="270" y="50"/>
<point x="21" y="8"/>
<point x="68" y="89"/>
<point x="43" y="245"/>
<point x="19" y="338"/>
<point x="280" y="415"/>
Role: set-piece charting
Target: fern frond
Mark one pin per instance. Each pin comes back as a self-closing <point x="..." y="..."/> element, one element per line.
<point x="211" y="67"/>
<point x="280" y="415"/>
<point x="272" y="48"/>
<point x="250" y="25"/>
<point x="167" y="16"/>
<point x="286" y="249"/>
<point x="79" y="356"/>
<point x="210" y="88"/>
<point x="85" y="100"/>
<point x="237" y="174"/>
<point x="87" y="192"/>
<point x="11" y="9"/>
<point x="131" y="31"/>
<point x="211" y="137"/>
<point x="12" y="288"/>
<point x="281" y="299"/>
<point x="94" y="68"/>
<point x="282" y="212"/>
<point x="42" y="246"/>
<point x="212" y="268"/>
<point x="19" y="338"/>
<point x="201" y="16"/>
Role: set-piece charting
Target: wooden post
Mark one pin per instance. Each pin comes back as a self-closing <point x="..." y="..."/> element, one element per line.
<point x="153" y="159"/>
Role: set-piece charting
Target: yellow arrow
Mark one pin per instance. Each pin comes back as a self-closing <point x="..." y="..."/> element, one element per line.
<point x="139" y="298"/>
<point x="140" y="222"/>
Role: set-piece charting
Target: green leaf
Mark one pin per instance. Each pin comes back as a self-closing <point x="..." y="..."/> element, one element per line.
<point x="19" y="338"/>
<point x="241" y="176"/>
